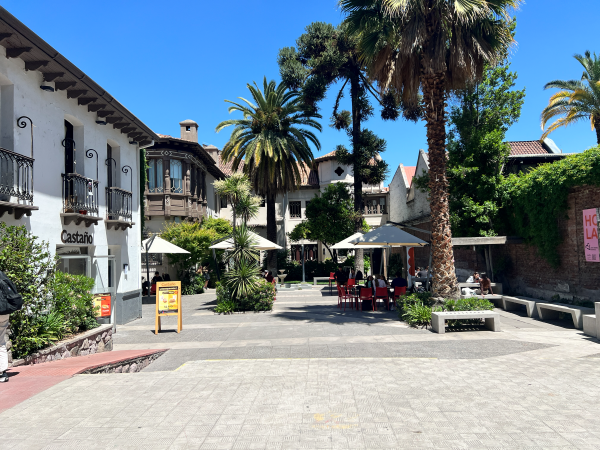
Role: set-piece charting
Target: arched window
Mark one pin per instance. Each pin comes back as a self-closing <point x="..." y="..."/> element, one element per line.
<point x="155" y="175"/>
<point x="176" y="177"/>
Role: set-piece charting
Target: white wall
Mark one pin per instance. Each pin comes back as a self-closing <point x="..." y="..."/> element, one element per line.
<point x="406" y="201"/>
<point x="48" y="111"/>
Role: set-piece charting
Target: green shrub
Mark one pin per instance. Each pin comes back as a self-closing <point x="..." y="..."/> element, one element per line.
<point x="417" y="314"/>
<point x="467" y="304"/>
<point x="72" y="299"/>
<point x="192" y="283"/>
<point x="405" y="301"/>
<point x="225" y="307"/>
<point x="262" y="299"/>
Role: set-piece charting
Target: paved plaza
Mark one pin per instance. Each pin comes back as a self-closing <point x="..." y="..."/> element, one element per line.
<point x="311" y="376"/>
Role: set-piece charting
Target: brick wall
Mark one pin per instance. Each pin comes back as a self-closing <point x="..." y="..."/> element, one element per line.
<point x="526" y="273"/>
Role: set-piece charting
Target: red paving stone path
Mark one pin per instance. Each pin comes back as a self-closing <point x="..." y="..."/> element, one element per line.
<point x="26" y="381"/>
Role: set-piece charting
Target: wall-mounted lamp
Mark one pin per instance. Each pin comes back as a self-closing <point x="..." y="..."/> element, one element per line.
<point x="46" y="87"/>
<point x="125" y="268"/>
<point x="100" y="121"/>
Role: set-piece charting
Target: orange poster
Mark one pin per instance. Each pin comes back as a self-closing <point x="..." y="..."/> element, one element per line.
<point x="102" y="302"/>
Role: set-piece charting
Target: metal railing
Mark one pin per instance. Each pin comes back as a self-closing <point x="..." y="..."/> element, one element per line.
<point x="118" y="204"/>
<point x="80" y="194"/>
<point x="16" y="176"/>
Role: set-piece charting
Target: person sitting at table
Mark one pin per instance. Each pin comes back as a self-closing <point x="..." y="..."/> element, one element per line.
<point x="381" y="281"/>
<point x="269" y="276"/>
<point x="422" y="273"/>
<point x="369" y="282"/>
<point x="485" y="284"/>
<point x="359" y="275"/>
<point x="340" y="276"/>
<point x="352" y="274"/>
<point x="399" y="281"/>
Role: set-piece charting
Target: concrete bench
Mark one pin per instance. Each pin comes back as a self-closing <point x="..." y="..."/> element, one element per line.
<point x="508" y="304"/>
<point x="550" y="311"/>
<point x="589" y="325"/>
<point x="315" y="279"/>
<point x="438" y="319"/>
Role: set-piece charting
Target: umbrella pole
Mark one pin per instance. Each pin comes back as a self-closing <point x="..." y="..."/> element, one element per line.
<point x="429" y="271"/>
<point x="303" y="278"/>
<point x="147" y="274"/>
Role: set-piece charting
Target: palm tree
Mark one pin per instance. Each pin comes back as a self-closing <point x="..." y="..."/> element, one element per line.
<point x="273" y="141"/>
<point x="234" y="188"/>
<point x="247" y="207"/>
<point x="578" y="100"/>
<point x="431" y="47"/>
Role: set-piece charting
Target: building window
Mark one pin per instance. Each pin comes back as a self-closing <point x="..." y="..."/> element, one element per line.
<point x="382" y="205"/>
<point x="188" y="128"/>
<point x="262" y="202"/>
<point x="155" y="175"/>
<point x="339" y="171"/>
<point x="295" y="210"/>
<point x="223" y="202"/>
<point x="176" y="177"/>
<point x="306" y="207"/>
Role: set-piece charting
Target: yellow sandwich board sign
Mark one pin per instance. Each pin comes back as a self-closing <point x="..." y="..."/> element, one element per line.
<point x="168" y="302"/>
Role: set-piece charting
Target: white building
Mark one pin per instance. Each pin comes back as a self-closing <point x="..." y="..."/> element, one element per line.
<point x="69" y="165"/>
<point x="290" y="209"/>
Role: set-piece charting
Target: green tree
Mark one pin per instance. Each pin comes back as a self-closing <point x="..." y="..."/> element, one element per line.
<point x="273" y="139"/>
<point x="431" y="47"/>
<point x="330" y="218"/>
<point x="235" y="188"/>
<point x="196" y="238"/>
<point x="326" y="56"/>
<point x="477" y="153"/>
<point x="578" y="99"/>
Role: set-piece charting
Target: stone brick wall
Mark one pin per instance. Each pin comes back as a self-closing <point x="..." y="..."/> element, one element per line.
<point x="127" y="366"/>
<point x="97" y="340"/>
<point x="526" y="273"/>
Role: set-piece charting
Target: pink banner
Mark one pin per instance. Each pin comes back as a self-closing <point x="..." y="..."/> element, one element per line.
<point x="590" y="234"/>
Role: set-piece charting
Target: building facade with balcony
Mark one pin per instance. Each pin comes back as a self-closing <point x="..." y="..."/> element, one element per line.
<point x="69" y="165"/>
<point x="290" y="209"/>
<point x="181" y="174"/>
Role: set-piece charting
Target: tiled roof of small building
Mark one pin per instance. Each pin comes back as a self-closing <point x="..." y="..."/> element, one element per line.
<point x="410" y="173"/>
<point x="527" y="148"/>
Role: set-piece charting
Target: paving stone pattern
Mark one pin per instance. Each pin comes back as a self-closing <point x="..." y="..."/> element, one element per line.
<point x="532" y="386"/>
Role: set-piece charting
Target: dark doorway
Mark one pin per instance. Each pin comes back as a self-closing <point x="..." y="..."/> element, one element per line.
<point x="69" y="149"/>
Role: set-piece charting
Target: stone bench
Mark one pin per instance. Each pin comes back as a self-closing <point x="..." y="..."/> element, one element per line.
<point x="550" y="311"/>
<point x="438" y="319"/>
<point x="508" y="304"/>
<point x="589" y="325"/>
<point x="315" y="279"/>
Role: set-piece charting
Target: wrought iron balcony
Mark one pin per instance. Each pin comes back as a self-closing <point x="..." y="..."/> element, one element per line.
<point x="16" y="184"/>
<point x="16" y="176"/>
<point x="80" y="199"/>
<point x="119" y="204"/>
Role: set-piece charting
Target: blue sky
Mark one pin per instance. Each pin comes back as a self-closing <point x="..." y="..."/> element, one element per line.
<point x="170" y="61"/>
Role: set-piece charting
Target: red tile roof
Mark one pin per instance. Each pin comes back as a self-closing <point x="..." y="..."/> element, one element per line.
<point x="309" y="177"/>
<point x="326" y="156"/>
<point x="527" y="148"/>
<point x="410" y="171"/>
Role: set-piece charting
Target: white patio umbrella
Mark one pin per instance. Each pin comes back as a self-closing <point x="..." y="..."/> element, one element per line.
<point x="156" y="244"/>
<point x="389" y="235"/>
<point x="347" y="244"/>
<point x="260" y="243"/>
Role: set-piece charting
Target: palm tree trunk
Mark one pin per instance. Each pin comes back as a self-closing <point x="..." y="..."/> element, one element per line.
<point x="597" y="128"/>
<point x="271" y="233"/>
<point x="354" y="93"/>
<point x="444" y="276"/>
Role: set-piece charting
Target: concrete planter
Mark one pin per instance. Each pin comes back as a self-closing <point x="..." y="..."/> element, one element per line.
<point x="93" y="341"/>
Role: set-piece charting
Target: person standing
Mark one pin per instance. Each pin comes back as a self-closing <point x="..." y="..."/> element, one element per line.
<point x="3" y="350"/>
<point x="340" y="276"/>
<point x="206" y="277"/>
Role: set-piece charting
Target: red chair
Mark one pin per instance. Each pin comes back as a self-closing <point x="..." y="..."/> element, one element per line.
<point x="331" y="280"/>
<point x="153" y="289"/>
<point x="382" y="293"/>
<point x="398" y="292"/>
<point x="352" y="283"/>
<point x="367" y="294"/>
<point x="344" y="295"/>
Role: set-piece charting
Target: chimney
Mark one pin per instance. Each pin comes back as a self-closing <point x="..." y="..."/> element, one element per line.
<point x="189" y="130"/>
<point x="212" y="151"/>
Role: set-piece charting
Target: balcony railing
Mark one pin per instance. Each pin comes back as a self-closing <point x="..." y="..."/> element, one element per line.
<point x="118" y="204"/>
<point x="80" y="194"/>
<point x="16" y="176"/>
<point x="375" y="209"/>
